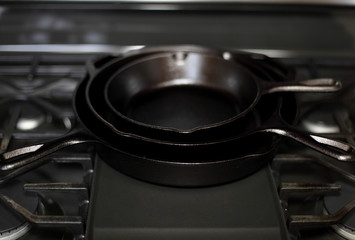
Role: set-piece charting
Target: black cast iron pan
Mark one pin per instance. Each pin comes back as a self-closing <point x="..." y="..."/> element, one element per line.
<point x="100" y="110"/>
<point x="94" y="93"/>
<point x="176" y="164"/>
<point x="182" y="96"/>
<point x="262" y="66"/>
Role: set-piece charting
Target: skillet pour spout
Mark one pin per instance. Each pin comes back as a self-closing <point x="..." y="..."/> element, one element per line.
<point x="230" y="151"/>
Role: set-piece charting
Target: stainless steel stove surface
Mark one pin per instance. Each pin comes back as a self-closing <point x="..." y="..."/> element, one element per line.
<point x="74" y="194"/>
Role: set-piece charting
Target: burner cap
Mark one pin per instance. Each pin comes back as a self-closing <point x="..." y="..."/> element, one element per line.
<point x="31" y="117"/>
<point x="10" y="222"/>
<point x="346" y="227"/>
<point x="321" y="119"/>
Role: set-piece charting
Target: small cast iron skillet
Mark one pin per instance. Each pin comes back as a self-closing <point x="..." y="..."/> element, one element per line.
<point x="177" y="95"/>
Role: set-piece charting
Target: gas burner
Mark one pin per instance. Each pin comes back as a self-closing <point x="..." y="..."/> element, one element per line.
<point x="345" y="227"/>
<point x="48" y="214"/>
<point x="321" y="119"/>
<point x="21" y="119"/>
<point x="44" y="203"/>
<point x="31" y="117"/>
<point x="11" y="225"/>
<point x="15" y="233"/>
<point x="23" y="116"/>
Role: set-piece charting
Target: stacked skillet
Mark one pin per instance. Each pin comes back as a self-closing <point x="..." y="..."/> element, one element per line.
<point x="185" y="116"/>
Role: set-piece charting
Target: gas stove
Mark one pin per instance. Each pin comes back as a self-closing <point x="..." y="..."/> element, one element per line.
<point x="75" y="194"/>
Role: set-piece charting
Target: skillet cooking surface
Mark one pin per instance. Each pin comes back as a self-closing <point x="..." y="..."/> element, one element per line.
<point x="182" y="107"/>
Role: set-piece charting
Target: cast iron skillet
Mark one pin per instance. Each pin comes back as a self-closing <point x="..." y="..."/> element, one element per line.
<point x="184" y="93"/>
<point x="94" y="93"/>
<point x="176" y="164"/>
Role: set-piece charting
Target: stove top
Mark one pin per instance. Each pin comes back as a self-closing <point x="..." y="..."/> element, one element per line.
<point x="36" y="105"/>
<point x="76" y="195"/>
<point x="148" y="211"/>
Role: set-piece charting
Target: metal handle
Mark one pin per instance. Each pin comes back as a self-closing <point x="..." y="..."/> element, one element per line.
<point x="311" y="85"/>
<point x="21" y="160"/>
<point x="332" y="148"/>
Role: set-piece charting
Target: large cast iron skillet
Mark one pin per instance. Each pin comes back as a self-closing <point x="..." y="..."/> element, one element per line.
<point x="221" y="163"/>
<point x="180" y="164"/>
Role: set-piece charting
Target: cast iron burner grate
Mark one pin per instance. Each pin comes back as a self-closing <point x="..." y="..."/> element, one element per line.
<point x="51" y="202"/>
<point x="316" y="192"/>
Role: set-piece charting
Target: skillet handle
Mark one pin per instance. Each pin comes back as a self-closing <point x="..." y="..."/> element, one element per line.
<point x="21" y="160"/>
<point x="332" y="148"/>
<point x="311" y="85"/>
